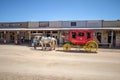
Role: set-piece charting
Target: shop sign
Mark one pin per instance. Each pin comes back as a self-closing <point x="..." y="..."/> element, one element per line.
<point x="10" y="25"/>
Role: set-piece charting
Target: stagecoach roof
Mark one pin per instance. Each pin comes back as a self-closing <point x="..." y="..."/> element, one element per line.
<point x="47" y="29"/>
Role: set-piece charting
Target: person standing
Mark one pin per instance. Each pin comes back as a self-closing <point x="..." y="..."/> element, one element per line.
<point x="35" y="42"/>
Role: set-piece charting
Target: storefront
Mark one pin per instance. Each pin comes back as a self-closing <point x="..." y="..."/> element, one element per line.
<point x="106" y="32"/>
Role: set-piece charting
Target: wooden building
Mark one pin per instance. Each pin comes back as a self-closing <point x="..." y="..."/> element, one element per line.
<point x="107" y="32"/>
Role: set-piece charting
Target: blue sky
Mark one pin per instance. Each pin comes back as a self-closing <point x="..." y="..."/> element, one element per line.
<point x="55" y="10"/>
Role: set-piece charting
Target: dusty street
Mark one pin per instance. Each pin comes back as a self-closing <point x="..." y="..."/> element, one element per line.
<point x="24" y="63"/>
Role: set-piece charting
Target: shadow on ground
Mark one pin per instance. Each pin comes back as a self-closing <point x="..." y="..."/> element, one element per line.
<point x="76" y="51"/>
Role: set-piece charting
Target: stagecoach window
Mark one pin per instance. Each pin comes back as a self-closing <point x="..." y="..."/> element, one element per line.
<point x="80" y="34"/>
<point x="73" y="34"/>
<point x="88" y="35"/>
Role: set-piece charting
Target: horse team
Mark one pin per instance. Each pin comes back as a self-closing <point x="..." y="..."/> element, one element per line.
<point x="44" y="42"/>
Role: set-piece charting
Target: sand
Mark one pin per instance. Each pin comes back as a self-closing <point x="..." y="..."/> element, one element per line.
<point x="24" y="63"/>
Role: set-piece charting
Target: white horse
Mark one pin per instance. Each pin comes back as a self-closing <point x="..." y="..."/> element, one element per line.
<point x="47" y="40"/>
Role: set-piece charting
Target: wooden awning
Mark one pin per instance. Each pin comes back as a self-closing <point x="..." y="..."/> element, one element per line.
<point x="49" y="29"/>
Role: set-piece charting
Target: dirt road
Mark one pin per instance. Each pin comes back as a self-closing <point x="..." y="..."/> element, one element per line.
<point x="25" y="63"/>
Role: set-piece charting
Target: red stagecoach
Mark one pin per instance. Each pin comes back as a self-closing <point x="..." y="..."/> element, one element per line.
<point x="80" y="38"/>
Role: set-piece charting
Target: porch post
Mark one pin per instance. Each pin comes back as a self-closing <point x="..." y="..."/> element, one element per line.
<point x="44" y="33"/>
<point x="58" y="34"/>
<point x="29" y="32"/>
<point x="4" y="36"/>
<point x="111" y="45"/>
<point x="60" y="38"/>
<point x="51" y="33"/>
<point x="16" y="37"/>
<point x="29" y="37"/>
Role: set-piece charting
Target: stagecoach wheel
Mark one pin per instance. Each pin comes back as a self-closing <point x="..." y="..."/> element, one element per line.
<point x="91" y="46"/>
<point x="66" y="47"/>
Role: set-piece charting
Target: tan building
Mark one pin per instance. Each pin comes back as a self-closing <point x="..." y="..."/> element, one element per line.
<point x="111" y="36"/>
<point x="107" y="32"/>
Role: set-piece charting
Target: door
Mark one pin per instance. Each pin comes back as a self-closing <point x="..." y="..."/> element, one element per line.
<point x="99" y="36"/>
<point x="81" y="37"/>
<point x="114" y="38"/>
<point x="12" y="37"/>
<point x="1" y="37"/>
<point x="110" y="36"/>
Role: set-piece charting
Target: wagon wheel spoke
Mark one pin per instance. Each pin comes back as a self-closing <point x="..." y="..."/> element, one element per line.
<point x="92" y="46"/>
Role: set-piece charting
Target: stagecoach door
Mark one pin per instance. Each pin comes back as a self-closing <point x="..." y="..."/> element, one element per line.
<point x="81" y="36"/>
<point x="78" y="36"/>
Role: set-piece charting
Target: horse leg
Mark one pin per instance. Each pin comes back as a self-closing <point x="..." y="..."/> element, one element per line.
<point x="56" y="43"/>
<point x="53" y="45"/>
<point x="42" y="45"/>
<point x="45" y="47"/>
<point x="50" y="46"/>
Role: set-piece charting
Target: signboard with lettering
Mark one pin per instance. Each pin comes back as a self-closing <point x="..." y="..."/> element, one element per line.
<point x="118" y="39"/>
<point x="43" y="24"/>
<point x="14" y="25"/>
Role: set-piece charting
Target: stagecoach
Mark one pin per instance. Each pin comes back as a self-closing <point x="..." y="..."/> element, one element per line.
<point x="80" y="39"/>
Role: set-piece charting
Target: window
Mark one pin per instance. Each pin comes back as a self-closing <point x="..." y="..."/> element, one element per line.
<point x="80" y="34"/>
<point x="54" y="32"/>
<point x="33" y="31"/>
<point x="109" y="36"/>
<point x="73" y="34"/>
<point x="40" y="32"/>
<point x="73" y="23"/>
<point x="1" y="35"/>
<point x="88" y="35"/>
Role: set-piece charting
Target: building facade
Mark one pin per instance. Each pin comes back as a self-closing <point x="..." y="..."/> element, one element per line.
<point x="107" y="32"/>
